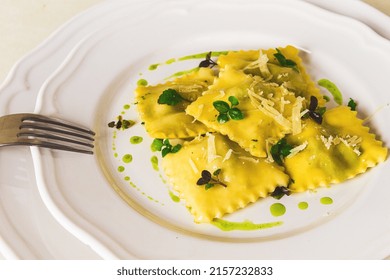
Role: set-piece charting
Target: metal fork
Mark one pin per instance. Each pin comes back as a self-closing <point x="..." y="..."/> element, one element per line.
<point x="42" y="131"/>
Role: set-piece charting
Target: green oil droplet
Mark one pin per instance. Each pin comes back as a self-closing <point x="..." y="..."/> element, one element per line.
<point x="121" y="169"/>
<point x="136" y="139"/>
<point x="170" y="61"/>
<point x="154" y="161"/>
<point x="142" y="82"/>
<point x="174" y="197"/>
<point x="153" y="66"/>
<point x="127" y="178"/>
<point x="127" y="158"/>
<point x="116" y="155"/>
<point x="126" y="107"/>
<point x="326" y="200"/>
<point x="245" y="225"/>
<point x="277" y="209"/>
<point x="303" y="205"/>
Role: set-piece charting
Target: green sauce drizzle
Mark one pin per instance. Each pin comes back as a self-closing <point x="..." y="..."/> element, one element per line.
<point x="127" y="158"/>
<point x="245" y="225"/>
<point x="326" y="200"/>
<point x="136" y="139"/>
<point x="277" y="209"/>
<point x="201" y="55"/>
<point x="142" y="82"/>
<point x="153" y="66"/>
<point x="154" y="161"/>
<point x="174" y="197"/>
<point x="303" y="205"/>
<point x="332" y="88"/>
<point x="170" y="61"/>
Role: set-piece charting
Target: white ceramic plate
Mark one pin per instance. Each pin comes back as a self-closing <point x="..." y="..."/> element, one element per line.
<point x="92" y="211"/>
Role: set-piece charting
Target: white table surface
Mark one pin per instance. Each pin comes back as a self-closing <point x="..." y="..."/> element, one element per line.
<point x="24" y="24"/>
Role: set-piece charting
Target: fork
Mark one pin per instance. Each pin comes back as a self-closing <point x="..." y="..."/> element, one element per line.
<point x="42" y="131"/>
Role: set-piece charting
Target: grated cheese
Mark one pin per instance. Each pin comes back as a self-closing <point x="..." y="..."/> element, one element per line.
<point x="297" y="149"/>
<point x="261" y="63"/>
<point x="249" y="159"/>
<point x="211" y="151"/>
<point x="227" y="155"/>
<point x="296" y="116"/>
<point x="350" y="141"/>
<point x="193" y="166"/>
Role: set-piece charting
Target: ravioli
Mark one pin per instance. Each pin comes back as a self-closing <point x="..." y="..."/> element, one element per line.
<point x="338" y="149"/>
<point x="247" y="178"/>
<point x="161" y="120"/>
<point x="274" y="95"/>
<point x="267" y="108"/>
<point x="263" y="63"/>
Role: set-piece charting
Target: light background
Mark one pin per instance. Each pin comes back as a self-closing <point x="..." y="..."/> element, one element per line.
<point x="24" y="24"/>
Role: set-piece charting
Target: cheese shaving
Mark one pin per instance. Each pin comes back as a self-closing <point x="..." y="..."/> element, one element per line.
<point x="296" y="116"/>
<point x="227" y="155"/>
<point x="297" y="149"/>
<point x="193" y="166"/>
<point x="211" y="151"/>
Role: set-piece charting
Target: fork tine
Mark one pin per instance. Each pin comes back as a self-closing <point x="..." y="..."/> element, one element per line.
<point x="60" y="123"/>
<point x="36" y="126"/>
<point x="54" y="133"/>
<point x="57" y="146"/>
<point x="42" y="136"/>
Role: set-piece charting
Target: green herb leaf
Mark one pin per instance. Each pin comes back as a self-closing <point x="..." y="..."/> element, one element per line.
<point x="222" y="118"/>
<point x="280" y="150"/>
<point x="221" y="106"/>
<point x="235" y="114"/>
<point x="170" y="97"/>
<point x="121" y="123"/>
<point x="352" y="104"/>
<point x="227" y="112"/>
<point x="283" y="61"/>
<point x="233" y="100"/>
<point x="176" y="148"/>
<point x="332" y="88"/>
<point x="156" y="145"/>
<point x="165" y="151"/>
<point x="208" y="186"/>
<point x="216" y="172"/>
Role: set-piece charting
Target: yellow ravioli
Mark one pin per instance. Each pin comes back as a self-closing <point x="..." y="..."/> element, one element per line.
<point x="247" y="178"/>
<point x="337" y="150"/>
<point x="258" y="126"/>
<point x="264" y="64"/>
<point x="166" y="121"/>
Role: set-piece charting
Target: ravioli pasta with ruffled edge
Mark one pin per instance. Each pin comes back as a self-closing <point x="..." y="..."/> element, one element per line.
<point x="279" y="133"/>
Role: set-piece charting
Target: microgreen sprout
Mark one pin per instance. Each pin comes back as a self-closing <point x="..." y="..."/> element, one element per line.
<point x="352" y="104"/>
<point x="283" y="61"/>
<point x="164" y="146"/>
<point x="210" y="180"/>
<point x="315" y="112"/>
<point x="170" y="97"/>
<point x="280" y="150"/>
<point x="121" y="123"/>
<point x="227" y="112"/>
<point x="208" y="62"/>
<point x="279" y="192"/>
